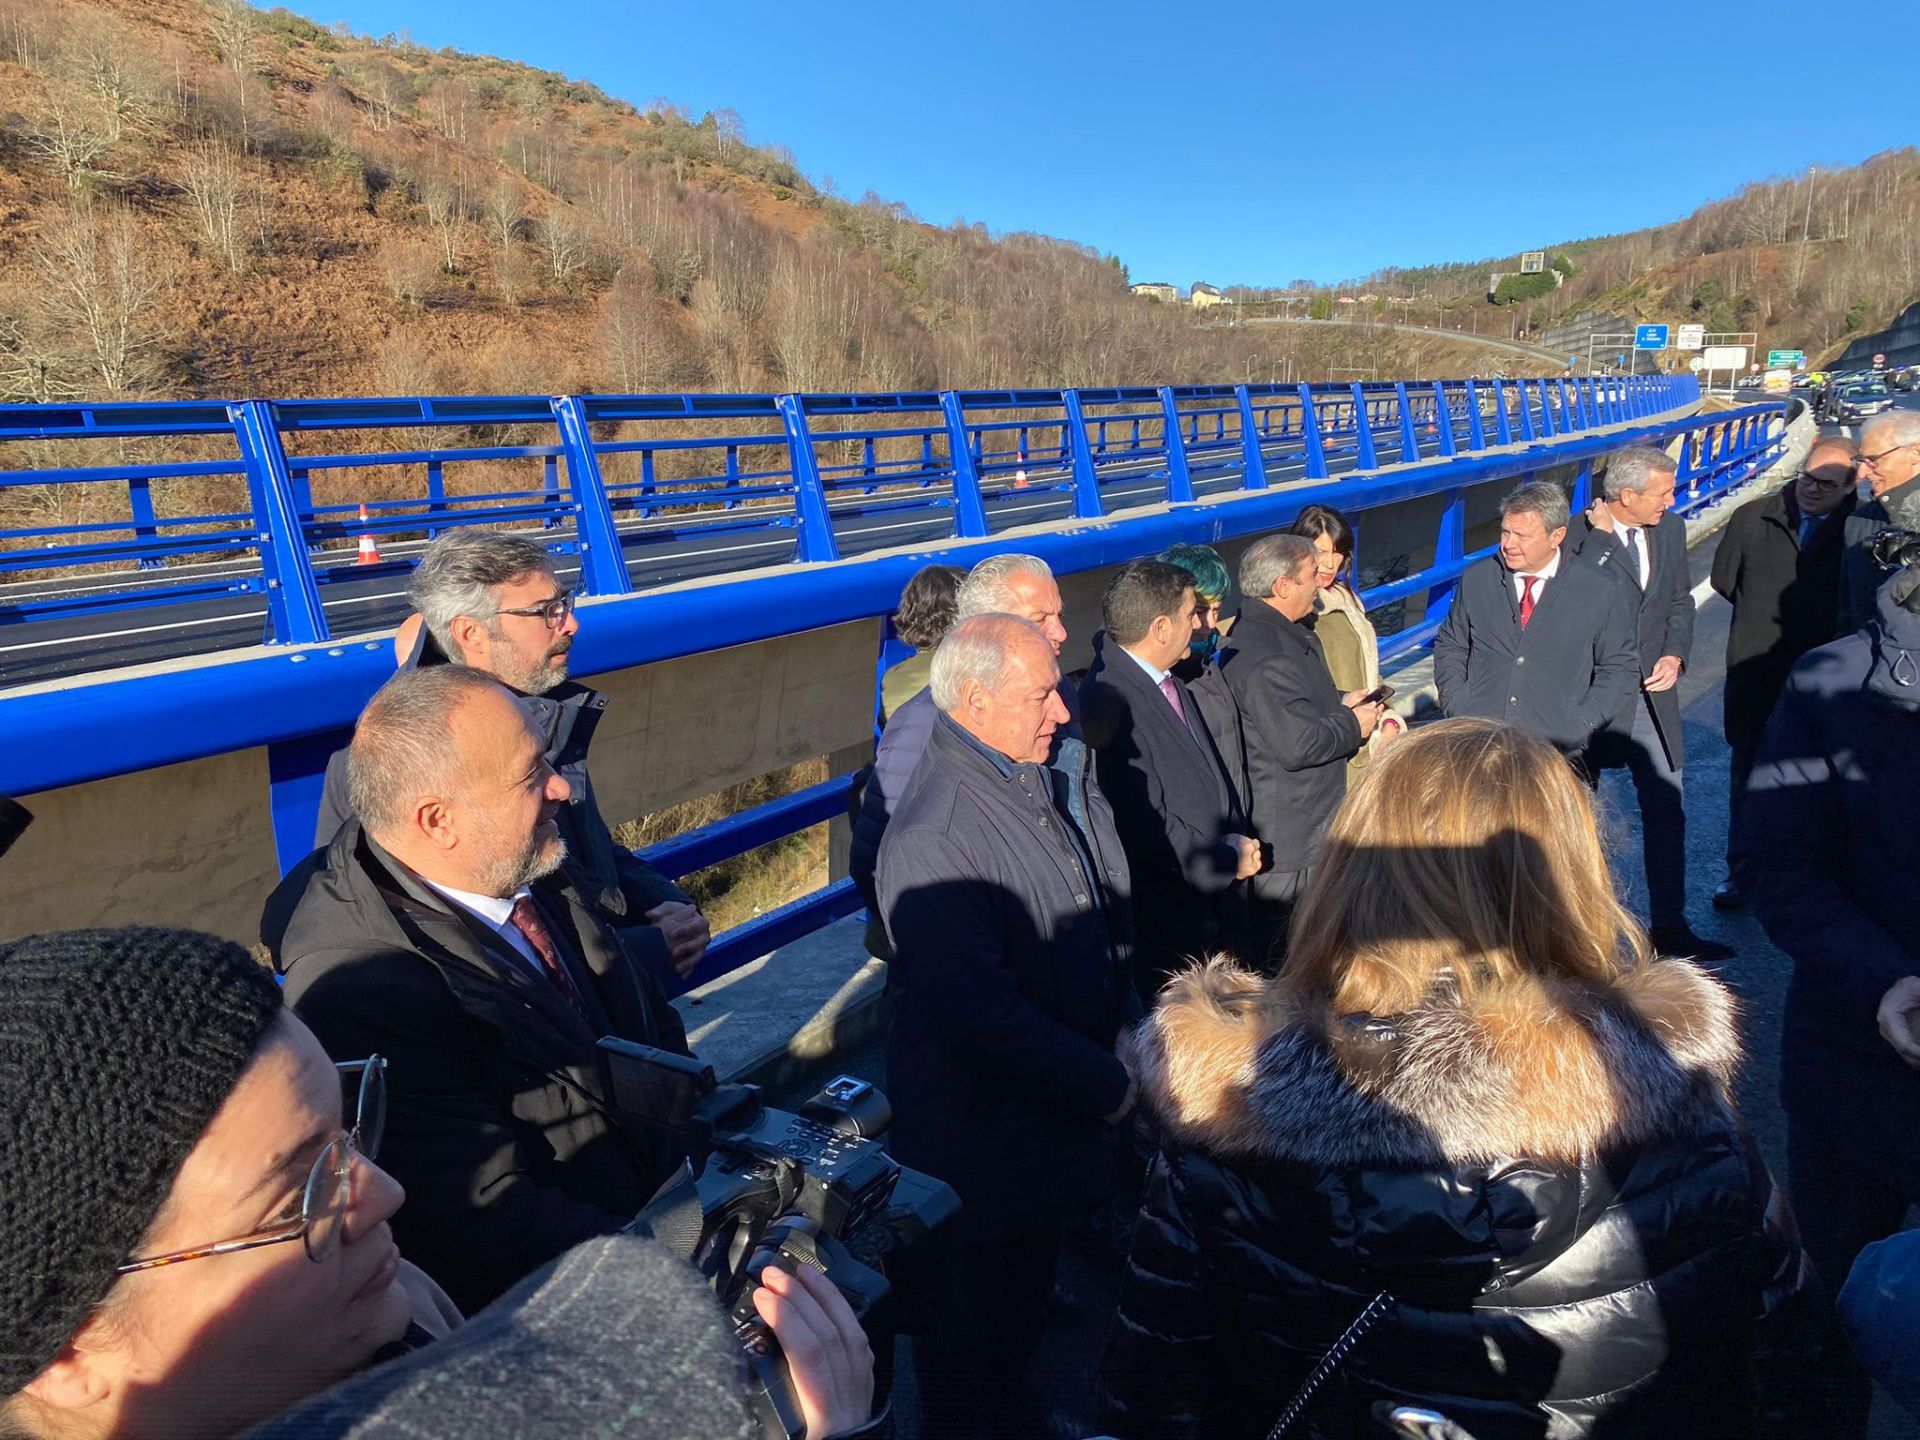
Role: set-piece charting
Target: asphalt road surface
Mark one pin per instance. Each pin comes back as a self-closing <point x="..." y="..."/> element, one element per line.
<point x="360" y="601"/>
<point x="1088" y="1290"/>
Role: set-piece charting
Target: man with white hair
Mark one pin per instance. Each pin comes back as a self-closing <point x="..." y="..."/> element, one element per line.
<point x="442" y="930"/>
<point x="1019" y="585"/>
<point x="1890" y="464"/>
<point x="1633" y="534"/>
<point x="1006" y="895"/>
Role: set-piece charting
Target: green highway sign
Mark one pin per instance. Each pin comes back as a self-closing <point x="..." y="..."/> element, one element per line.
<point x="1785" y="359"/>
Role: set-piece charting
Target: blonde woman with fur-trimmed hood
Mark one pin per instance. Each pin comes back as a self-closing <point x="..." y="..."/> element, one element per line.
<point x="1472" y="1097"/>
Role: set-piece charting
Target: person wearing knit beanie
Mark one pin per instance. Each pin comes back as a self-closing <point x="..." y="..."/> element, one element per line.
<point x="155" y="1098"/>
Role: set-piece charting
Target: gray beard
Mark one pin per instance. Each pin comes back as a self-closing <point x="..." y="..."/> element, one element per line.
<point x="536" y="863"/>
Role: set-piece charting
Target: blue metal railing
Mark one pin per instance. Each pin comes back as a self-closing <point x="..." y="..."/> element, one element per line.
<point x="607" y="477"/>
<point x="780" y="461"/>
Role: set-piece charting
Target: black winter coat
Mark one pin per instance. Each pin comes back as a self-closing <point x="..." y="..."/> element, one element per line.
<point x="1785" y="599"/>
<point x="1172" y="804"/>
<point x="1577" y="1232"/>
<point x="1571" y="671"/>
<point x="1298" y="736"/>
<point x="1828" y="850"/>
<point x="619" y="882"/>
<point x="1663" y="618"/>
<point x="1009" y="983"/>
<point x="497" y="1118"/>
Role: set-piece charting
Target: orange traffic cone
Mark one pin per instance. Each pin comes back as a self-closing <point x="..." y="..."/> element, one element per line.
<point x="1020" y="475"/>
<point x="369" y="552"/>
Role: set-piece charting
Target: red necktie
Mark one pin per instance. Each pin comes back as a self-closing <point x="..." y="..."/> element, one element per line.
<point x="1526" y="598"/>
<point x="1172" y="692"/>
<point x="526" y="919"/>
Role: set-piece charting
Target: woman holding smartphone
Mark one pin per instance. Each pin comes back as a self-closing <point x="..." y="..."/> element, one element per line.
<point x="1340" y="620"/>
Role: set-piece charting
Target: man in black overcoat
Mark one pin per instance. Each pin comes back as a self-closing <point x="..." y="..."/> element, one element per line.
<point x="442" y="930"/>
<point x="1299" y="730"/>
<point x="1178" y="816"/>
<point x="1633" y="534"/>
<point x="1778" y="564"/>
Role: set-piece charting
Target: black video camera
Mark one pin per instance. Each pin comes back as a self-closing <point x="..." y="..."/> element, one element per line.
<point x="777" y="1188"/>
<point x="1895" y="549"/>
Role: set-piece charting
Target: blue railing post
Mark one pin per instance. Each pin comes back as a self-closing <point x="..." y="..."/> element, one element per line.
<point x="550" y="485"/>
<point x="1583" y="486"/>
<point x="146" y="525"/>
<point x="1528" y="430"/>
<point x="294" y="613"/>
<point x="1367" y="457"/>
<point x="436" y="493"/>
<point x="1502" y="421"/>
<point x="1685" y="469"/>
<point x="603" y="568"/>
<point x="1409" y="437"/>
<point x="296" y="778"/>
<point x="1443" y="420"/>
<point x="1086" y="484"/>
<point x="1449" y="548"/>
<point x="1310" y="431"/>
<point x="809" y="490"/>
<point x="1476" y="428"/>
<point x="1179" y="476"/>
<point x="969" y="510"/>
<point x="1253" y="459"/>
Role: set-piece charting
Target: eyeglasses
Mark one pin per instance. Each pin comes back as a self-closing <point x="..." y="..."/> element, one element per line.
<point x="329" y="1188"/>
<point x="1875" y="460"/>
<point x="554" y="611"/>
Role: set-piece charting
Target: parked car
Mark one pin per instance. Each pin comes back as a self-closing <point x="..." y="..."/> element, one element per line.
<point x="1856" y="402"/>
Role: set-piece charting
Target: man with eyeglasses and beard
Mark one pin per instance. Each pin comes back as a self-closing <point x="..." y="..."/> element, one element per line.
<point x="1778" y="565"/>
<point x="442" y="929"/>
<point x="492" y="601"/>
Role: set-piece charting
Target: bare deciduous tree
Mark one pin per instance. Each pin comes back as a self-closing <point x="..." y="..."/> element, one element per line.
<point x="214" y="184"/>
<point x="443" y="197"/>
<point x="506" y="208"/>
<point x="384" y="89"/>
<point x="103" y="62"/>
<point x="409" y="266"/>
<point x="67" y="138"/>
<point x="560" y="237"/>
<point x="330" y="114"/>
<point x="99" y="282"/>
<point x="635" y="339"/>
<point x="232" y="25"/>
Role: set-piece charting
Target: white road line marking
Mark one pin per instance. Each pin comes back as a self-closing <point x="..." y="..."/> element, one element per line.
<point x="1702" y="592"/>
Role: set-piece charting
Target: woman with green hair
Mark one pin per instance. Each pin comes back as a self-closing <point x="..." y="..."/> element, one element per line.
<point x="1211" y="586"/>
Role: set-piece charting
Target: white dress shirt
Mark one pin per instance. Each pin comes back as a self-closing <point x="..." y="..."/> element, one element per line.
<point x="491" y="910"/>
<point x="1545" y="573"/>
<point x="1638" y="548"/>
<point x="1154" y="672"/>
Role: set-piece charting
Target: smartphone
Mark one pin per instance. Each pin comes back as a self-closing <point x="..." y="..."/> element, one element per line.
<point x="1379" y="696"/>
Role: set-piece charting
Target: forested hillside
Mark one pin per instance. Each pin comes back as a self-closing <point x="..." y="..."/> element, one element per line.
<point x="1807" y="261"/>
<point x="202" y="198"/>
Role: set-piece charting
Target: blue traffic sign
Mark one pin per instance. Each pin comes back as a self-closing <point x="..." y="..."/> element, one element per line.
<point x="1649" y="337"/>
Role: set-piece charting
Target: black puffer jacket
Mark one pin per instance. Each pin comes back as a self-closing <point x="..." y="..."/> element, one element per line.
<point x="1577" y="1231"/>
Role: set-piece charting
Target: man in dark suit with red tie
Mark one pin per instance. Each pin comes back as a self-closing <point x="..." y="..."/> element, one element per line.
<point x="1537" y="636"/>
<point x="443" y="930"/>
<point x="1633" y="535"/>
<point x="1177" y="813"/>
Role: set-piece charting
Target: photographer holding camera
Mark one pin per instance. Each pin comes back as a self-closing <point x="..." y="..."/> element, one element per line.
<point x="1824" y="850"/>
<point x="195" y="1237"/>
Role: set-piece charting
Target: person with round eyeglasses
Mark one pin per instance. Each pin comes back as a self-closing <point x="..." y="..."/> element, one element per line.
<point x="194" y="1236"/>
<point x="1889" y="467"/>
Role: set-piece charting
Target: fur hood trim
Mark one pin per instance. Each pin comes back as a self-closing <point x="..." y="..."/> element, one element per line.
<point x="1540" y="1069"/>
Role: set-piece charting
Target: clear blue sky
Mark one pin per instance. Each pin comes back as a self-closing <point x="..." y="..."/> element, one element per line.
<point x="1244" y="143"/>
